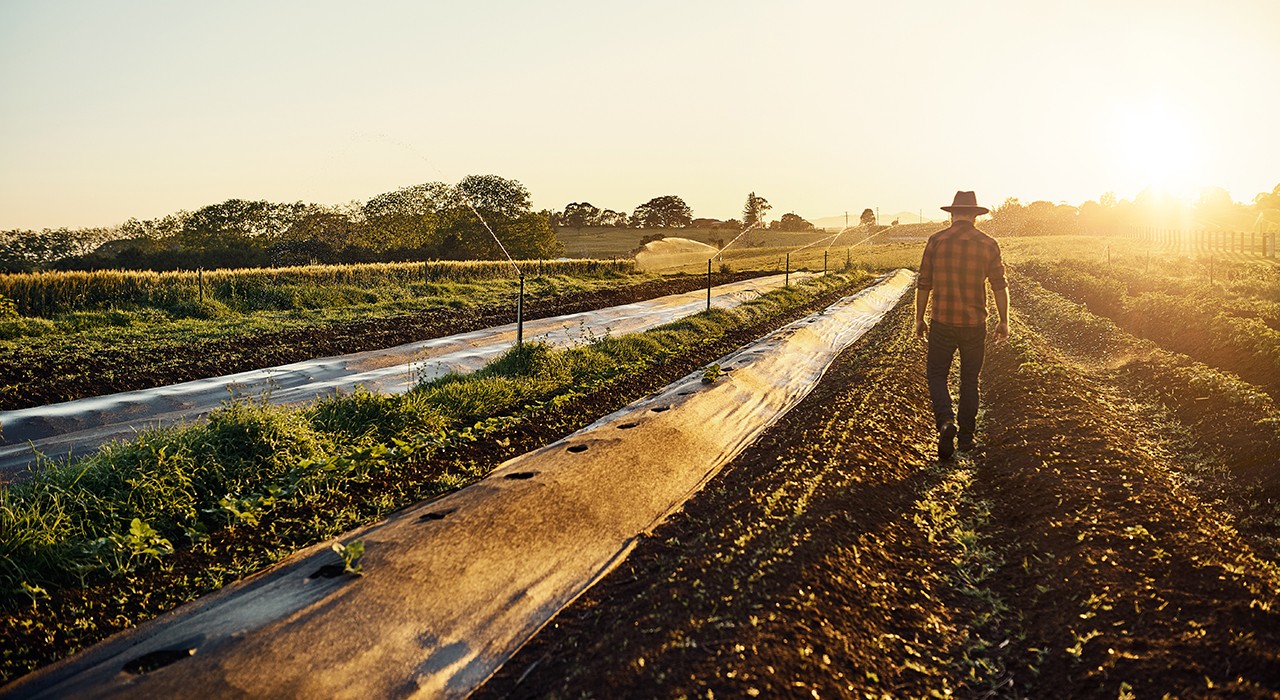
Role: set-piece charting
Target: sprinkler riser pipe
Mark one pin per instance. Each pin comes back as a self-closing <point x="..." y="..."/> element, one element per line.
<point x="520" y="314"/>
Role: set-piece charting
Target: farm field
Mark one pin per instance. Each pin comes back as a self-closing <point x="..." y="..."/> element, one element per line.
<point x="1117" y="532"/>
<point x="95" y="351"/>
<point x="219" y="500"/>
<point x="1114" y="535"/>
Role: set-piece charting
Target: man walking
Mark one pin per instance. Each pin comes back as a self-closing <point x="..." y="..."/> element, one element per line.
<point x="958" y="261"/>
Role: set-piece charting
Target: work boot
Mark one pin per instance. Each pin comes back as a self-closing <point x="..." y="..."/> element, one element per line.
<point x="946" y="441"/>
<point x="965" y="443"/>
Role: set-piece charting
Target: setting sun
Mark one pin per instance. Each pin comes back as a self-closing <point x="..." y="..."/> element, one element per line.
<point x="1157" y="147"/>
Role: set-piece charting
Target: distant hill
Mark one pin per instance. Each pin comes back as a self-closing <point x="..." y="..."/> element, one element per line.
<point x="904" y="217"/>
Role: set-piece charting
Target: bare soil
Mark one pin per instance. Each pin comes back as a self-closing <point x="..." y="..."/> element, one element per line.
<point x="1081" y="551"/>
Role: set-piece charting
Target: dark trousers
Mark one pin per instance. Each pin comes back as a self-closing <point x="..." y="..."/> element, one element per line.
<point x="944" y="340"/>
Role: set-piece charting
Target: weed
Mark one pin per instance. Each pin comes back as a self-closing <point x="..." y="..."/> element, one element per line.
<point x="711" y="374"/>
<point x="351" y="554"/>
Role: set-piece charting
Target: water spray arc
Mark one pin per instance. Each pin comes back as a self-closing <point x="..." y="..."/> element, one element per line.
<point x="721" y="254"/>
<point x="466" y="199"/>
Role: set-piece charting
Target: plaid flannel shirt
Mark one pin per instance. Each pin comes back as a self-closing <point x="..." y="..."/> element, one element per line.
<point x="956" y="264"/>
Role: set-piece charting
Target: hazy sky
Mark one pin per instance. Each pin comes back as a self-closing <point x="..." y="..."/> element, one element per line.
<point x="119" y="108"/>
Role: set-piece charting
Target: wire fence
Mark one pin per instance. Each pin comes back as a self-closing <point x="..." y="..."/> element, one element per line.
<point x="1260" y="243"/>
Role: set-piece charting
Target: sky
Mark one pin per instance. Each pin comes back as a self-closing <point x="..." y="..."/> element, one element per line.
<point x="132" y="108"/>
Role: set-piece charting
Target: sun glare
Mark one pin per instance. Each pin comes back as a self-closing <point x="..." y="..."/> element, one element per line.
<point x="1156" y="147"/>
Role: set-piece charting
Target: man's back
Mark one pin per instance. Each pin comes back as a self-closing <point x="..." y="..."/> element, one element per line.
<point x="956" y="264"/>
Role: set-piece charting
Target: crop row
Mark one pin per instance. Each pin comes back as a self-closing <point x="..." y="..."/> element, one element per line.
<point x="1236" y="333"/>
<point x="50" y="293"/>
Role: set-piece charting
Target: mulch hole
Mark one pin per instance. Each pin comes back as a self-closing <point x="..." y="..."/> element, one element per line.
<point x="157" y="660"/>
<point x="435" y="515"/>
<point x="521" y="475"/>
<point x="329" y="571"/>
<point x="577" y="448"/>
<point x="627" y="426"/>
<point x="659" y="409"/>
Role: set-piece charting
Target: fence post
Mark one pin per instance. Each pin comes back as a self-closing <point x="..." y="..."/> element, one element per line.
<point x="786" y="281"/>
<point x="824" y="263"/>
<point x="708" y="284"/>
<point x="200" y="276"/>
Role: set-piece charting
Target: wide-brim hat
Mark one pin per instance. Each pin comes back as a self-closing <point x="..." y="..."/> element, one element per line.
<point x="967" y="202"/>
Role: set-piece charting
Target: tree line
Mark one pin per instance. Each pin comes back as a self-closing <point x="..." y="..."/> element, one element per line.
<point x="1214" y="208"/>
<point x="670" y="211"/>
<point x="431" y="221"/>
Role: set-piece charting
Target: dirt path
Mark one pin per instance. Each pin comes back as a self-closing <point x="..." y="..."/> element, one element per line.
<point x="1071" y="556"/>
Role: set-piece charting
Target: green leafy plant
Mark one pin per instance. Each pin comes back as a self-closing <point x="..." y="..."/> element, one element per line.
<point x="711" y="374"/>
<point x="351" y="554"/>
<point x="35" y="593"/>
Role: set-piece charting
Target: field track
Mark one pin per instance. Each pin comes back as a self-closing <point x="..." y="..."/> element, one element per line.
<point x="1078" y="553"/>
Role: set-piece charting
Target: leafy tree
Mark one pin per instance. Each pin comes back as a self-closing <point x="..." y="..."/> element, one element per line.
<point x="156" y="229"/>
<point x="667" y="211"/>
<point x="791" y="222"/>
<point x="238" y="223"/>
<point x="613" y="219"/>
<point x="1267" y="200"/>
<point x="23" y="251"/>
<point x="580" y="214"/>
<point x="409" y="217"/>
<point x="495" y="196"/>
<point x="754" y="210"/>
<point x="868" y="218"/>
<point x="322" y="229"/>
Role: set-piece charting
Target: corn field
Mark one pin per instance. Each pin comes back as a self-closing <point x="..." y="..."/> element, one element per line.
<point x="50" y="293"/>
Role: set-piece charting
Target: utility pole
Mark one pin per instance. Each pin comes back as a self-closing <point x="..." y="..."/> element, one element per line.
<point x="846" y="219"/>
<point x="877" y="216"/>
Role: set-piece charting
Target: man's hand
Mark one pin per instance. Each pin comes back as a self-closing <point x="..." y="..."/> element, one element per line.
<point x="922" y="329"/>
<point x="1002" y="330"/>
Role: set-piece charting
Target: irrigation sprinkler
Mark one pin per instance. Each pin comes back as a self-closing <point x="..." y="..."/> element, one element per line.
<point x="520" y="314"/>
<point x="709" y="283"/>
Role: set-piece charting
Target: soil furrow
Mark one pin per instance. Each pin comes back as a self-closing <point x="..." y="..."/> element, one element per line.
<point x="1125" y="581"/>
<point x="806" y="568"/>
